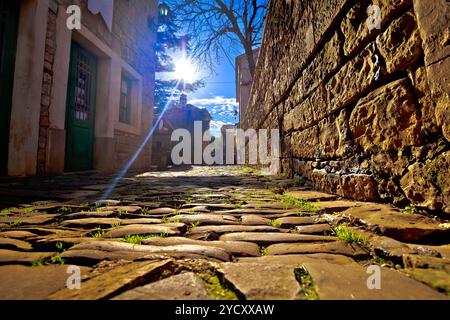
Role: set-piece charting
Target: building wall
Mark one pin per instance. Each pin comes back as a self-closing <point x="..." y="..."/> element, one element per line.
<point x="44" y="43"/>
<point x="243" y="82"/>
<point x="363" y="114"/>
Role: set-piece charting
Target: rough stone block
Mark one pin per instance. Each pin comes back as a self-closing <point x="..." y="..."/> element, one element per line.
<point x="427" y="185"/>
<point x="325" y="63"/>
<point x="304" y="144"/>
<point x="386" y="119"/>
<point x="353" y="79"/>
<point x="400" y="45"/>
<point x="355" y="27"/>
<point x="426" y="102"/>
<point x="433" y="19"/>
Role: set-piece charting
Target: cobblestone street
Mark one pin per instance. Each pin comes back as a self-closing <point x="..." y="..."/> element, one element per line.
<point x="211" y="233"/>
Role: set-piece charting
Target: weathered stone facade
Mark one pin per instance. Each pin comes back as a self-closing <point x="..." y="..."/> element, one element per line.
<point x="364" y="114"/>
<point x="39" y="130"/>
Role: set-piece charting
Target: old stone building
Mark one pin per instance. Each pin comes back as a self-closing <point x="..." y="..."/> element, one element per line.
<point x="243" y="81"/>
<point x="75" y="100"/>
<point x="162" y="143"/>
<point x="180" y="115"/>
<point x="228" y="136"/>
<point x="363" y="105"/>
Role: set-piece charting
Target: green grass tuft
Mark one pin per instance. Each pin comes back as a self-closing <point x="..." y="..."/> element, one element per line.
<point x="293" y="201"/>
<point x="37" y="263"/>
<point x="16" y="223"/>
<point x="274" y="223"/>
<point x="217" y="290"/>
<point x="195" y="224"/>
<point x="138" y="238"/>
<point x="121" y="212"/>
<point x="308" y="289"/>
<point x="59" y="246"/>
<point x="410" y="209"/>
<point x="7" y="210"/>
<point x="65" y="209"/>
<point x="56" y="259"/>
<point x="116" y="224"/>
<point x="264" y="252"/>
<point x="98" y="234"/>
<point x="344" y="232"/>
<point x="134" y="239"/>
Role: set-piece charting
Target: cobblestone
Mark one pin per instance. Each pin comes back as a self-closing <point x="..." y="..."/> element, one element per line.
<point x="181" y="228"/>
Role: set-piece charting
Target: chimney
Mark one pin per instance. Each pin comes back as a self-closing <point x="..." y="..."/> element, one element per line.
<point x="183" y="100"/>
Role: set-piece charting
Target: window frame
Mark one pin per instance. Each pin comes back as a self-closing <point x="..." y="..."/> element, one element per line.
<point x="135" y="96"/>
<point x="125" y="111"/>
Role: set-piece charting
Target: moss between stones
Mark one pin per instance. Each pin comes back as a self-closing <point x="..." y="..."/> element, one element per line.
<point x="216" y="289"/>
<point x="301" y="203"/>
<point x="346" y="233"/>
<point x="437" y="279"/>
<point x="308" y="289"/>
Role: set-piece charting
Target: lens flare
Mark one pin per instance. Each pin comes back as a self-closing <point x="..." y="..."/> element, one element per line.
<point x="141" y="147"/>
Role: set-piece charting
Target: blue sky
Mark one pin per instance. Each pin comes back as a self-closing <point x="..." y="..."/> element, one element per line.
<point x="218" y="95"/>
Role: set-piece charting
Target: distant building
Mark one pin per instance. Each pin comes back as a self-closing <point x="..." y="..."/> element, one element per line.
<point x="162" y="145"/>
<point x="229" y="130"/>
<point x="243" y="82"/>
<point x="75" y="100"/>
<point x="180" y="116"/>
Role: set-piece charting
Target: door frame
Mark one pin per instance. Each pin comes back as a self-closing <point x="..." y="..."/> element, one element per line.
<point x="68" y="166"/>
<point x="9" y="59"/>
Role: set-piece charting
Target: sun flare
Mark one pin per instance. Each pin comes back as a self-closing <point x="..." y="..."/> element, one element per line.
<point x="185" y="70"/>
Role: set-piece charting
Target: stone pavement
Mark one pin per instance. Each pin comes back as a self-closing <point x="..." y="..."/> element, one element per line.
<point x="212" y="233"/>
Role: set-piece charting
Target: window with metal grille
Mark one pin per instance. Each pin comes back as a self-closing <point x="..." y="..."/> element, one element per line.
<point x="125" y="101"/>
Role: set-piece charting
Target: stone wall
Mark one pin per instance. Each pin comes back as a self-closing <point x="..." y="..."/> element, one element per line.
<point x="363" y="114"/>
<point x="47" y="85"/>
<point x="126" y="145"/>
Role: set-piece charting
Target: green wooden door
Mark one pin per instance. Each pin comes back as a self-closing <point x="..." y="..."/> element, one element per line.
<point x="80" y="110"/>
<point x="9" y="16"/>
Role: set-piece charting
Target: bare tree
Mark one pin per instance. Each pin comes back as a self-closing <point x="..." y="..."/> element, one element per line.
<point x="222" y="25"/>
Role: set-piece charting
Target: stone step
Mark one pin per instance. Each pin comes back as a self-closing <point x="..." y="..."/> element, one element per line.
<point x="393" y="223"/>
<point x="321" y="229"/>
<point x="19" y="257"/>
<point x="29" y="219"/>
<point x="184" y="286"/>
<point x="260" y="281"/>
<point x="205" y="219"/>
<point x="14" y="244"/>
<point x="112" y="282"/>
<point x="336" y="247"/>
<point x="143" y="229"/>
<point x="236" y="248"/>
<point x="298" y="221"/>
<point x="119" y="209"/>
<point x="234" y="228"/>
<point x="311" y="195"/>
<point x="116" y="246"/>
<point x="241" y="211"/>
<point x="33" y="283"/>
<point x="17" y="234"/>
<point x="297" y="260"/>
<point x="88" y="223"/>
<point x="349" y="282"/>
<point x="263" y="238"/>
<point x="254" y="219"/>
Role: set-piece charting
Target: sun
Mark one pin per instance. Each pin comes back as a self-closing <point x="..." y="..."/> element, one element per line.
<point x="185" y="70"/>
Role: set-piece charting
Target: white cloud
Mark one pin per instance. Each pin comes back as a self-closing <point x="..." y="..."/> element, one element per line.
<point x="221" y="110"/>
<point x="215" y="126"/>
<point x="218" y="100"/>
